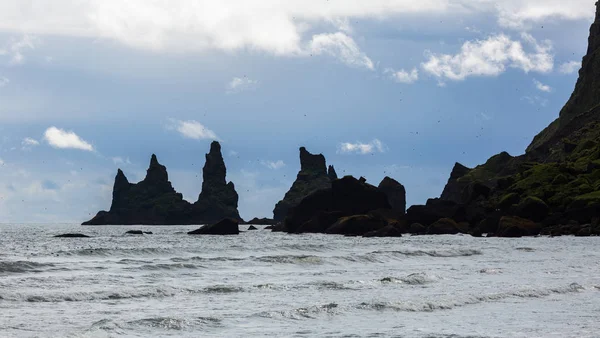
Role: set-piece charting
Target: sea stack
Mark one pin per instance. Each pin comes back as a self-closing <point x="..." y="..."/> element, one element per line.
<point x="154" y="201"/>
<point x="314" y="175"/>
<point x="218" y="198"/>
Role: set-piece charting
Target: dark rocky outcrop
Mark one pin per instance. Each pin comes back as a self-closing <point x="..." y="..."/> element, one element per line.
<point x="261" y="221"/>
<point x="357" y="225"/>
<point x="218" y="199"/>
<point x="313" y="176"/>
<point x="555" y="184"/>
<point x="321" y="209"/>
<point x="72" y="236"/>
<point x="138" y="232"/>
<point x="154" y="201"/>
<point x="395" y="192"/>
<point x="226" y="226"/>
<point x="252" y="227"/>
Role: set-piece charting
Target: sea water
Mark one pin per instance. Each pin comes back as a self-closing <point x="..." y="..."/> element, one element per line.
<point x="263" y="284"/>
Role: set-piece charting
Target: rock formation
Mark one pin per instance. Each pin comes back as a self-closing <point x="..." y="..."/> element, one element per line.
<point x="346" y="197"/>
<point x="313" y="176"/>
<point x="395" y="192"/>
<point x="554" y="188"/>
<point x="218" y="199"/>
<point x="226" y="226"/>
<point x="154" y="201"/>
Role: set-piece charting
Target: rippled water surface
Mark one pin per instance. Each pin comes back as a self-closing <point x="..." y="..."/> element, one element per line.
<point x="267" y="284"/>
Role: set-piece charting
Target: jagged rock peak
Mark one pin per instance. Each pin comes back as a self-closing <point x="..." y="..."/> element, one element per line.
<point x="214" y="171"/>
<point x="594" y="39"/>
<point x="312" y="163"/>
<point x="120" y="180"/>
<point x="156" y="172"/>
<point x="331" y="173"/>
<point x="459" y="171"/>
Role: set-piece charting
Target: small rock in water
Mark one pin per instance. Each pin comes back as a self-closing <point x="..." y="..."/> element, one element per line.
<point x="252" y="227"/>
<point x="72" y="236"/>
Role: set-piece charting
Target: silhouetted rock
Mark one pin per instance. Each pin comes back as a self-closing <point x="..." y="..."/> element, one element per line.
<point x="387" y="231"/>
<point x="331" y="173"/>
<point x="154" y="201"/>
<point x="453" y="189"/>
<point x="395" y="192"/>
<point x="517" y="227"/>
<point x="218" y="199"/>
<point x="357" y="225"/>
<point x="72" y="236"/>
<point x="224" y="227"/>
<point x="138" y="232"/>
<point x="444" y="226"/>
<point x="261" y="221"/>
<point x="313" y="176"/>
<point x="252" y="227"/>
<point x="346" y="197"/>
<point x="417" y="229"/>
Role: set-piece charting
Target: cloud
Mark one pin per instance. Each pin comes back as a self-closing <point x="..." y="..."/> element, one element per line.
<point x="569" y="67"/>
<point x="536" y="100"/>
<point x="361" y="148"/>
<point x="2" y="163"/>
<point x="16" y="47"/>
<point x="119" y="160"/>
<point x="342" y="47"/>
<point x="29" y="143"/>
<point x="61" y="139"/>
<point x="4" y="81"/>
<point x="238" y="84"/>
<point x="542" y="87"/>
<point x="192" y="129"/>
<point x="491" y="57"/>
<point x="233" y="153"/>
<point x="403" y="76"/>
<point x="522" y="14"/>
<point x="275" y="165"/>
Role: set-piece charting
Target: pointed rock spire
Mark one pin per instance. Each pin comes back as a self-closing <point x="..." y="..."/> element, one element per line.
<point x="331" y="173"/>
<point x="156" y="172"/>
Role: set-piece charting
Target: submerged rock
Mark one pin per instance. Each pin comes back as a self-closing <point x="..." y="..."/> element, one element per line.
<point x="224" y="227"/>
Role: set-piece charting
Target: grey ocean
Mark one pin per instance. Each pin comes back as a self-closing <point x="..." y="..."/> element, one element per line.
<point x="263" y="284"/>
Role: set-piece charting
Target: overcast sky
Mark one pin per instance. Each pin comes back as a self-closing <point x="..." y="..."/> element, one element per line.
<point x="403" y="88"/>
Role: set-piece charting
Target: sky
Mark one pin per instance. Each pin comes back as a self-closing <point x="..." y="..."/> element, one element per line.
<point x="399" y="88"/>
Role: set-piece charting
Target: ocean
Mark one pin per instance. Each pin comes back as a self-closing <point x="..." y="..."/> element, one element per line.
<point x="263" y="284"/>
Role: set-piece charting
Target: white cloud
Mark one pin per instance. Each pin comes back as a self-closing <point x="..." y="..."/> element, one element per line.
<point x="273" y="164"/>
<point x="192" y="129"/>
<point x="522" y="14"/>
<point x="569" y="67"/>
<point x="61" y="139"/>
<point x="361" y="148"/>
<point x="2" y="163"/>
<point x="29" y="143"/>
<point x="342" y="47"/>
<point x="536" y="100"/>
<point x="491" y="57"/>
<point x="4" y="81"/>
<point x="542" y="87"/>
<point x="119" y="160"/>
<point x="403" y="76"/>
<point x="233" y="153"/>
<point x="16" y="47"/>
<point x="238" y="84"/>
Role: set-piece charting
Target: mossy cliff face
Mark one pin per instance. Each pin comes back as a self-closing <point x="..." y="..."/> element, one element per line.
<point x="556" y="182"/>
<point x="313" y="176"/>
<point x="154" y="201"/>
